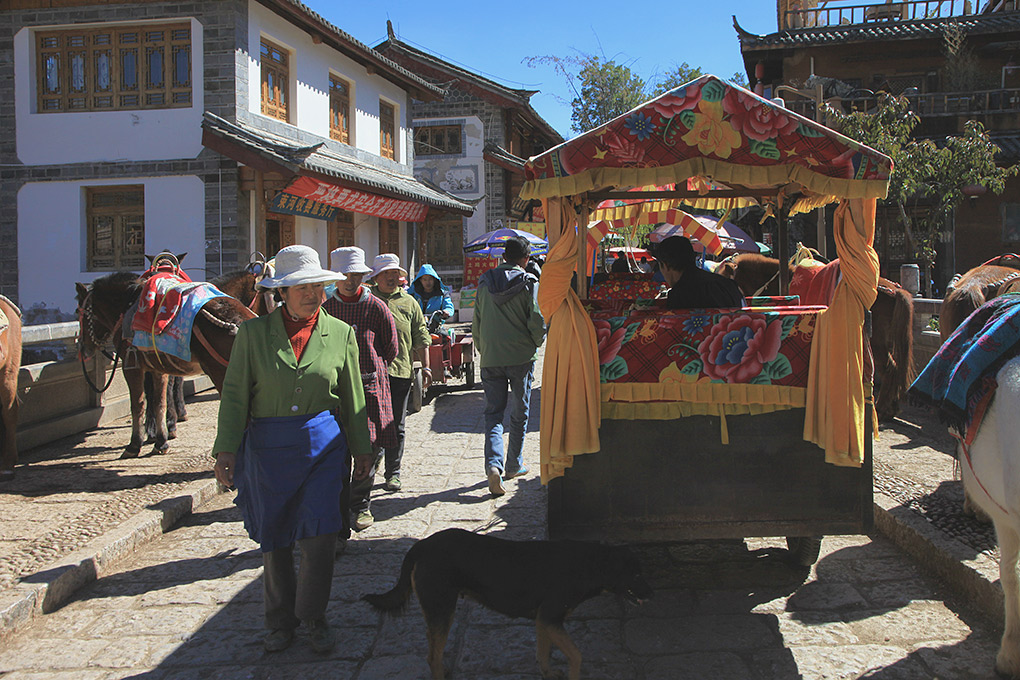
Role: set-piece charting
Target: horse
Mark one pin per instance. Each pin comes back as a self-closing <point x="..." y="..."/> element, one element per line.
<point x="892" y="320"/>
<point x="979" y="285"/>
<point x="101" y="311"/>
<point x="991" y="478"/>
<point x="10" y="365"/>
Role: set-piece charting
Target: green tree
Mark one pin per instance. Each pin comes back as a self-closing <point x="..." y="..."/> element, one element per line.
<point x="602" y="89"/>
<point x="924" y="172"/>
<point x="680" y="75"/>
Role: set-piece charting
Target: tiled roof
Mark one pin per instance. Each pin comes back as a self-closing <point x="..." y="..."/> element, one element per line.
<point x="320" y="160"/>
<point x="1009" y="142"/>
<point x="360" y="50"/>
<point x="519" y="96"/>
<point x="494" y="153"/>
<point x="878" y="31"/>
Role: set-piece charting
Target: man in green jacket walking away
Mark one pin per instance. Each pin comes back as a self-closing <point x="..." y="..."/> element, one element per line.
<point x="508" y="330"/>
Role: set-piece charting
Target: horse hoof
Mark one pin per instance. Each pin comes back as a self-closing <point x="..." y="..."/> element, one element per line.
<point x="183" y="417"/>
<point x="130" y="452"/>
<point x="172" y="434"/>
<point x="159" y="450"/>
<point x="6" y="475"/>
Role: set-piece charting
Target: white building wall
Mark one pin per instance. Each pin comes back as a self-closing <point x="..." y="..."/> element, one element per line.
<point x="51" y="234"/>
<point x="310" y="67"/>
<point x="103" y="136"/>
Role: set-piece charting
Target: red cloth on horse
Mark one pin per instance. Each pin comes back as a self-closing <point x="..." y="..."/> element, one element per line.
<point x="815" y="285"/>
<point x="160" y="300"/>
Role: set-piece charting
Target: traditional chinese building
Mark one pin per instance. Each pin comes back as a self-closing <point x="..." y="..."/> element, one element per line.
<point x="451" y="138"/>
<point x="845" y="52"/>
<point x="212" y="128"/>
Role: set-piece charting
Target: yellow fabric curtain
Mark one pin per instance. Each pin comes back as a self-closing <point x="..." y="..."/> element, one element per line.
<point x="834" y="418"/>
<point x="571" y="409"/>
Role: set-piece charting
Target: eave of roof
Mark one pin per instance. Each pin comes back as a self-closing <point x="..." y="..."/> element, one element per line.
<point x="879" y="30"/>
<point x="494" y="153"/>
<point x="347" y="44"/>
<point x="268" y="152"/>
<point x="506" y="96"/>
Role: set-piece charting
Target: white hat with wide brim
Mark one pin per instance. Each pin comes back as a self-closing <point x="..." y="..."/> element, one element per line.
<point x="349" y="260"/>
<point x="298" y="265"/>
<point x="383" y="262"/>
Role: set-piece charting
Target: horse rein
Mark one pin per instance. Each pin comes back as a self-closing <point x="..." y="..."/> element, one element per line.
<point x="90" y="326"/>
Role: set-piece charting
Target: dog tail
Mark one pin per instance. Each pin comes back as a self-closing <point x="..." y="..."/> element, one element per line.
<point x="395" y="599"/>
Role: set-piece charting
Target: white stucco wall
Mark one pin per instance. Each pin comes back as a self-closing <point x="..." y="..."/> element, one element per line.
<point x="310" y="67"/>
<point x="51" y="234"/>
<point x="449" y="172"/>
<point x="94" y="136"/>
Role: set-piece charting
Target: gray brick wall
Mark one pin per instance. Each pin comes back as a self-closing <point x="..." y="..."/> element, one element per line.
<point x="225" y="37"/>
<point x="459" y="103"/>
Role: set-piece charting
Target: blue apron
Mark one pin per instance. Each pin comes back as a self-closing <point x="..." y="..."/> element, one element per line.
<point x="290" y="473"/>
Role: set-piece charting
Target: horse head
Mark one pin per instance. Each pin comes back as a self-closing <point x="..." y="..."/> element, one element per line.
<point x="101" y="308"/>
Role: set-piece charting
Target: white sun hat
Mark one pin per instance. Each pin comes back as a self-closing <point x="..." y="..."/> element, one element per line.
<point x="296" y="265"/>
<point x="384" y="262"/>
<point x="349" y="260"/>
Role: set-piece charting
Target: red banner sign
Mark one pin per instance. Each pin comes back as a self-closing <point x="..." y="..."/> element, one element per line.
<point x="358" y="201"/>
<point x="475" y="266"/>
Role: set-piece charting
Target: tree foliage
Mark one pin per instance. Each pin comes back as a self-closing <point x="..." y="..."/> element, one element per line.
<point x="925" y="173"/>
<point x="603" y="89"/>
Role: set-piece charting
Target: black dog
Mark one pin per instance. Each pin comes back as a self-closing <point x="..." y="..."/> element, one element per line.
<point x="540" y="580"/>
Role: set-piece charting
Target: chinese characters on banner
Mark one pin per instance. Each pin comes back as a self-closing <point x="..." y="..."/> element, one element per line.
<point x="356" y="201"/>
<point x="289" y="204"/>
<point x="475" y="266"/>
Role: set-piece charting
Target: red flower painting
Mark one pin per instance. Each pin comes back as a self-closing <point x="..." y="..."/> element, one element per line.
<point x="737" y="347"/>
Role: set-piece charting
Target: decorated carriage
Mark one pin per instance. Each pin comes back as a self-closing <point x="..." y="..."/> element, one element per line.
<point x="685" y="424"/>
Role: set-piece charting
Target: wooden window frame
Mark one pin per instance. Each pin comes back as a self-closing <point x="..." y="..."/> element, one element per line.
<point x="389" y="234"/>
<point x="434" y="140"/>
<point x="340" y="110"/>
<point x="387" y="123"/>
<point x="121" y="217"/>
<point x="340" y="230"/>
<point x="111" y="68"/>
<point x="274" y="62"/>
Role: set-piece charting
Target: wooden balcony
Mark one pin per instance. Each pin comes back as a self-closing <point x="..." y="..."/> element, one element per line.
<point x="847" y="15"/>
<point x="969" y="104"/>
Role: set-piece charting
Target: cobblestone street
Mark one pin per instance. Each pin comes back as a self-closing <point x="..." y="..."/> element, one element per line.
<point x="189" y="605"/>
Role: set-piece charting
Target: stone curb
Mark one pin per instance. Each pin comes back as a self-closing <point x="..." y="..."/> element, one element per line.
<point x="974" y="578"/>
<point x="50" y="588"/>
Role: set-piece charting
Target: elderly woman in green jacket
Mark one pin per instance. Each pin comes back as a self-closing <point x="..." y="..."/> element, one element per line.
<point x="292" y="411"/>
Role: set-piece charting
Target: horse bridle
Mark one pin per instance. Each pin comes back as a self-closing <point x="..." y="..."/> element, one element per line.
<point x="85" y="309"/>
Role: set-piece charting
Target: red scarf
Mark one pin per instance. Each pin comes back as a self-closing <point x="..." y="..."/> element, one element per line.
<point x="351" y="298"/>
<point x="299" y="331"/>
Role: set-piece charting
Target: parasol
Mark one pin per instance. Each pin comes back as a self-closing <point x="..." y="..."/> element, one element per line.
<point x="679" y="223"/>
<point x="733" y="237"/>
<point x="491" y="244"/>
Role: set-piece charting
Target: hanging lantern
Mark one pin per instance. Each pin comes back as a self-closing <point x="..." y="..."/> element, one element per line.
<point x="974" y="190"/>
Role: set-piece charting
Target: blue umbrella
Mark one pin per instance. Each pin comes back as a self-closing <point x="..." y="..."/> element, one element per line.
<point x="491" y="244"/>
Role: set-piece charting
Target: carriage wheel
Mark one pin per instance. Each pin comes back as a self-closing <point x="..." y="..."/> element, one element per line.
<point x="469" y="374"/>
<point x="804" y="549"/>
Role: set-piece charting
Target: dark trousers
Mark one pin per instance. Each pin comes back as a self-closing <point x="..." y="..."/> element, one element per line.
<point x="289" y="599"/>
<point x="400" y="390"/>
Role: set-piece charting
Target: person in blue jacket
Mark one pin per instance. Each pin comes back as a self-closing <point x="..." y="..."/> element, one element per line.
<point x="428" y="289"/>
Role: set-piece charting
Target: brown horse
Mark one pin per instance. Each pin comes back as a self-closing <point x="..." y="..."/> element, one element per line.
<point x="892" y="320"/>
<point x="10" y="365"/>
<point x="101" y="310"/>
<point x="973" y="289"/>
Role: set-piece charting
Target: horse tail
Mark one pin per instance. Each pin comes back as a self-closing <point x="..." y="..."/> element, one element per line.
<point x="903" y="341"/>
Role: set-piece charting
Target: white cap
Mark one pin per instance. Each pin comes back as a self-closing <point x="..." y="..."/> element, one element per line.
<point x="384" y="262"/>
<point x="349" y="260"/>
<point x="297" y="265"/>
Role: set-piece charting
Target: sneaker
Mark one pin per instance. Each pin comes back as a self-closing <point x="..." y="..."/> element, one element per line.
<point x="495" y="481"/>
<point x="321" y="637"/>
<point x="364" y="520"/>
<point x="392" y="483"/>
<point x="278" y="639"/>
<point x="520" y="473"/>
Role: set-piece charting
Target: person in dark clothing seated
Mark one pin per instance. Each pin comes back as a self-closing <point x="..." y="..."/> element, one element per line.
<point x="689" y="285"/>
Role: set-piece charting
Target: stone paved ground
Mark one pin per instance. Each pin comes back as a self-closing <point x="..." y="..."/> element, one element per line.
<point x="189" y="606"/>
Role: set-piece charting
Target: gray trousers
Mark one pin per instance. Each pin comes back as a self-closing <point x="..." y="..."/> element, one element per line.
<point x="290" y="600"/>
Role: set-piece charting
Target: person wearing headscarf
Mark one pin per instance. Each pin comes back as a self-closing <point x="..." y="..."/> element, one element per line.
<point x="373" y="325"/>
<point x="292" y="412"/>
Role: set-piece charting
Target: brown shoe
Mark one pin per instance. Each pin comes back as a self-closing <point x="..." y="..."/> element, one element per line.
<point x="495" y="481"/>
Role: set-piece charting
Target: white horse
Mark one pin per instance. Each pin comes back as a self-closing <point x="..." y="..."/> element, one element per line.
<point x="992" y="478"/>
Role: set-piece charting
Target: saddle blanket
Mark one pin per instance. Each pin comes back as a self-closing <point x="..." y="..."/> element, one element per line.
<point x="160" y="300"/>
<point x="961" y="376"/>
<point x="174" y="337"/>
<point x="815" y="282"/>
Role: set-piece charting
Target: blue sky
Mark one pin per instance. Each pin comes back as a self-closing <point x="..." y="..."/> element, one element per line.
<point x="492" y="38"/>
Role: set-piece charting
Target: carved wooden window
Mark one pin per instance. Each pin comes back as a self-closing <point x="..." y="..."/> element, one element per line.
<point x="444" y="242"/>
<point x="114" y="69"/>
<point x="275" y="80"/>
<point x="115" y="222"/>
<point x="435" y="140"/>
<point x="387" y="130"/>
<point x="339" y="110"/>
<point x="340" y="230"/>
<point x="389" y="236"/>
